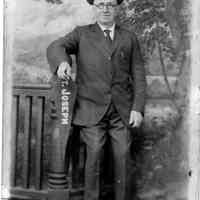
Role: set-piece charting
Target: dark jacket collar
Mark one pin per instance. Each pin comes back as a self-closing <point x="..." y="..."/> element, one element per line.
<point x="101" y="42"/>
<point x="95" y="27"/>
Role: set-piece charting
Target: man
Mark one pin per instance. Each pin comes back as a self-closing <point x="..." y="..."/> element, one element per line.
<point x="111" y="90"/>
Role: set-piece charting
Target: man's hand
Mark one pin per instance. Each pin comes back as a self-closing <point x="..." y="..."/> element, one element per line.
<point x="64" y="71"/>
<point x="135" y="119"/>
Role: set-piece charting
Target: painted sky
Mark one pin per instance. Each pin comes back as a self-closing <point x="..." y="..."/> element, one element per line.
<point x="37" y="17"/>
<point x="32" y="25"/>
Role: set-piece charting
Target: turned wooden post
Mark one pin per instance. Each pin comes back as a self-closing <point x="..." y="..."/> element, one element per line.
<point x="61" y="116"/>
<point x="57" y="172"/>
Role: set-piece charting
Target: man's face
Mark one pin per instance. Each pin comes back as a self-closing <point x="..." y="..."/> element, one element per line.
<point x="106" y="11"/>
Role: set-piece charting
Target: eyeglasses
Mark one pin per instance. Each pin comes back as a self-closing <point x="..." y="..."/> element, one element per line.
<point x="109" y="6"/>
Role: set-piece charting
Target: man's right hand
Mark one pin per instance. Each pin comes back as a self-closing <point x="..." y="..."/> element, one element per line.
<point x="64" y="71"/>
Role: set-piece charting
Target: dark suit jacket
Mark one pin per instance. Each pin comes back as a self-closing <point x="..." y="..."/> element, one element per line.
<point x="104" y="73"/>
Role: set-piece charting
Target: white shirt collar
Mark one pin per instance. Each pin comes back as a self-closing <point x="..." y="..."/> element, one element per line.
<point x="112" y="29"/>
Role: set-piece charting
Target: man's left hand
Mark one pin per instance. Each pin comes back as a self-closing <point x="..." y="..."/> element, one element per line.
<point x="135" y="119"/>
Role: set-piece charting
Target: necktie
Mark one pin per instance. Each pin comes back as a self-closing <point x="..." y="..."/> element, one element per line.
<point x="108" y="37"/>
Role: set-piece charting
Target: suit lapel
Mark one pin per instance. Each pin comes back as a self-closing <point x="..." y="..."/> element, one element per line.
<point x="117" y="38"/>
<point x="98" y="39"/>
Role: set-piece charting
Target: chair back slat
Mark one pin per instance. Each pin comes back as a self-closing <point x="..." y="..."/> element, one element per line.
<point x="40" y="102"/>
<point x="15" y="130"/>
<point x="27" y="138"/>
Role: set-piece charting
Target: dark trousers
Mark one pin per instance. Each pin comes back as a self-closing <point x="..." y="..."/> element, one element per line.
<point x="95" y="137"/>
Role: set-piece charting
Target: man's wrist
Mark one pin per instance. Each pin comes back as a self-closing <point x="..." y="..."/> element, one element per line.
<point x="135" y="111"/>
<point x="64" y="64"/>
<point x="64" y="70"/>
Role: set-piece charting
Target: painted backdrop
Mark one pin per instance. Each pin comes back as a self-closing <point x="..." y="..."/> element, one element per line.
<point x="162" y="28"/>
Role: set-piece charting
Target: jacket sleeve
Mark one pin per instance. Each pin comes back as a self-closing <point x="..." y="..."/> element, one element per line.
<point x="139" y="80"/>
<point x="60" y="50"/>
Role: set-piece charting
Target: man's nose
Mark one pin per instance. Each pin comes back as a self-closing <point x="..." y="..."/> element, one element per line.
<point x="105" y="8"/>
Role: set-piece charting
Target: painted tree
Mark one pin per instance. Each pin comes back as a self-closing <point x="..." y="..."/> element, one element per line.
<point x="161" y="24"/>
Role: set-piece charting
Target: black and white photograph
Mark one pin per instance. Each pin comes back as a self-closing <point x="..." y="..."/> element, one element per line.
<point x="101" y="100"/>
